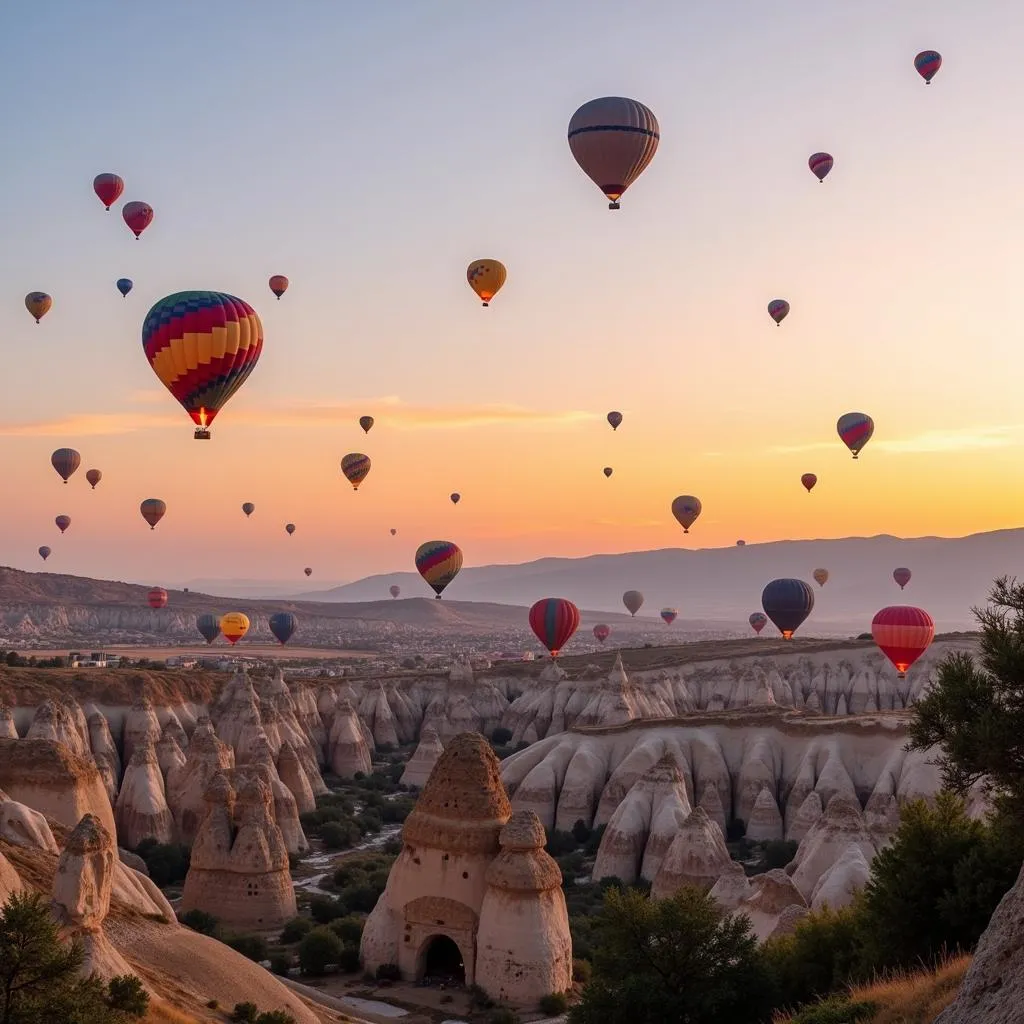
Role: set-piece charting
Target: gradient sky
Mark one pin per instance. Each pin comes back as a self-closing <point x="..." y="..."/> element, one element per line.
<point x="370" y="151"/>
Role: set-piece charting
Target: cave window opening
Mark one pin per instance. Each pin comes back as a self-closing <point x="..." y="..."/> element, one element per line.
<point x="442" y="962"/>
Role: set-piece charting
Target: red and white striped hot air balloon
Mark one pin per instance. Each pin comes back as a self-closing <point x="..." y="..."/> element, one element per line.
<point x="903" y="634"/>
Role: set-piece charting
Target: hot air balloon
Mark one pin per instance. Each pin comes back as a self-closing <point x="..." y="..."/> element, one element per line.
<point x="607" y="471"/>
<point x="44" y="552"/>
<point x="809" y="480"/>
<point x="394" y="590"/>
<point x="308" y="570"/>
<point x="778" y="310"/>
<point x="248" y="508"/>
<point x="289" y="528"/>
<point x="393" y="531"/>
<point x="438" y="562"/>
<point x="94" y="476"/>
<point x="614" y="418"/>
<point x="602" y="632"/>
<point x="202" y="346"/>
<point x="902" y="634"/>
<point x="366" y="422"/>
<point x="928" y="63"/>
<point x="758" y="620"/>
<point x="234" y="626"/>
<point x="613" y="139"/>
<point x="282" y="625"/>
<point x="152" y="510"/>
<point x="108" y="188"/>
<point x="686" y="508"/>
<point x="855" y="429"/>
<point x="669" y="615"/>
<point x="209" y="626"/>
<point x="278" y="285"/>
<point x="63" y="522"/>
<point x="820" y="576"/>
<point x="553" y="621"/>
<point x="355" y="466"/>
<point x="902" y="576"/>
<point x="124" y="286"/>
<point x="65" y="461"/>
<point x="157" y="598"/>
<point x="138" y="216"/>
<point x="741" y="543"/>
<point x="455" y="497"/>
<point x="38" y="304"/>
<point x="486" y="277"/>
<point x="820" y="164"/>
<point x="787" y="603"/>
<point x="633" y="600"/>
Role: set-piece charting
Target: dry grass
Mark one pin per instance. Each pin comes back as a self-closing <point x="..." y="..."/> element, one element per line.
<point x="164" y="1014"/>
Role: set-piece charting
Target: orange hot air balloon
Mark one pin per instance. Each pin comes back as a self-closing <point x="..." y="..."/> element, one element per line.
<point x="138" y="216"/>
<point x="486" y="277"/>
<point x="38" y="304"/>
<point x="686" y="508"/>
<point x="94" y="476"/>
<point x="809" y="480"/>
<point x="153" y="510"/>
<point x="108" y="188"/>
<point x="903" y="634"/>
<point x="234" y="626"/>
<point x="157" y="598"/>
<point x="278" y="285"/>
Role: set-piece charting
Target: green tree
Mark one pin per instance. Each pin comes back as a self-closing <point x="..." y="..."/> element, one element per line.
<point x="319" y="950"/>
<point x="677" y="959"/>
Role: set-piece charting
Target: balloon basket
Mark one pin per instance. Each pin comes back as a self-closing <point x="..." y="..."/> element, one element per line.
<point x="614" y="206"/>
<point x="202" y="434"/>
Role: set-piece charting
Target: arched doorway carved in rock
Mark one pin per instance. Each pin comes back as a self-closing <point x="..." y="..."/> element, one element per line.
<point x="441" y="961"/>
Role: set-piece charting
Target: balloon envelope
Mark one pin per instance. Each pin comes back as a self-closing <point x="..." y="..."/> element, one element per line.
<point x="614" y="418"/>
<point x="289" y="528"/>
<point x="553" y="621"/>
<point x="455" y="497"/>
<point x="138" y="216"/>
<point x="63" y="522"/>
<point x="38" y="304"/>
<point x="778" y="310"/>
<point x="209" y="626"/>
<point x="633" y="600"/>
<point x="820" y="164"/>
<point x="308" y="570"/>
<point x="366" y="422"/>
<point x="607" y="470"/>
<point x="820" y="576"/>
<point x="486" y="277"/>
<point x="855" y="430"/>
<point x="903" y="634"/>
<point x="108" y="188"/>
<point x="787" y="602"/>
<point x="902" y="576"/>
<point x="809" y="480"/>
<point x="394" y="590"/>
<point x="282" y="625"/>
<point x="202" y="346"/>
<point x="124" y="285"/>
<point x="153" y="510"/>
<point x="758" y="620"/>
<point x="686" y="508"/>
<point x="438" y="562"/>
<point x="234" y="626"/>
<point x="602" y="632"/>
<point x="927" y="63"/>
<point x="65" y="461"/>
<point x="94" y="476"/>
<point x="613" y="139"/>
<point x="248" y="508"/>
<point x="741" y="543"/>
<point x="278" y="284"/>
<point x="355" y="467"/>
<point x="157" y="598"/>
<point x="44" y="552"/>
<point x="669" y="615"/>
<point x="393" y="531"/>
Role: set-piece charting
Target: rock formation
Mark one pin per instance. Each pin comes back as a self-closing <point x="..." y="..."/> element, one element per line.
<point x="771" y="894"/>
<point x="142" y="810"/>
<point x="840" y="883"/>
<point x="697" y="857"/>
<point x="421" y="764"/>
<point x="349" y="752"/>
<point x="293" y="775"/>
<point x="8" y="731"/>
<point x="841" y="826"/>
<point x="187" y="785"/>
<point x="765" y="821"/>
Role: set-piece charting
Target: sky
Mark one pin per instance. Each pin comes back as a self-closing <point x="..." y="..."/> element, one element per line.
<point x="371" y="151"/>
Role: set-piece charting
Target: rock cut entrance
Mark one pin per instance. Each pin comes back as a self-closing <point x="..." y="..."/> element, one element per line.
<point x="442" y="962"/>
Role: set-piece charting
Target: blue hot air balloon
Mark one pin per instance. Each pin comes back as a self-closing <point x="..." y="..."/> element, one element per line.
<point x="209" y="626"/>
<point x="124" y="285"/>
<point x="282" y="625"/>
<point x="787" y="603"/>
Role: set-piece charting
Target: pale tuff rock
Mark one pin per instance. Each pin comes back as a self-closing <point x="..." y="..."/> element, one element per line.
<point x="173" y="728"/>
<point x="140" y="724"/>
<point x="240" y="875"/>
<point x="502" y="903"/>
<point x="809" y="812"/>
<point x="169" y="755"/>
<point x="993" y="990"/>
<point x="132" y="860"/>
<point x="104" y="752"/>
<point x="286" y="811"/>
<point x="841" y="826"/>
<point x="138" y="891"/>
<point x="711" y="804"/>
<point x="761" y="766"/>
<point x="788" y="921"/>
<point x="847" y="876"/>
<point x="813" y="703"/>
<point x="55" y="722"/>
<point x="7" y="727"/>
<point x="765" y="821"/>
<point x="374" y="710"/>
<point x="348" y="750"/>
<point x="142" y="810"/>
<point x="10" y="880"/>
<point x="421" y="764"/>
<point x="187" y="785"/>
<point x="307" y="714"/>
<point x="581" y="789"/>
<point x="771" y="894"/>
<point x="919" y="779"/>
<point x="834" y="780"/>
<point x="697" y="857"/>
<point x="22" y="826"/>
<point x="732" y="887"/>
<point x="292" y="774"/>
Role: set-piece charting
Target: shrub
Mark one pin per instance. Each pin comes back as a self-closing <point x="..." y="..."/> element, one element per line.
<point x="275" y="1017"/>
<point x="580" y="831"/>
<point x="324" y="909"/>
<point x="581" y="971"/>
<point x="295" y="929"/>
<point x="837" y="1010"/>
<point x="167" y="863"/>
<point x="359" y="898"/>
<point x="349" y="962"/>
<point x="560" y="843"/>
<point x="253" y="947"/>
<point x="338" y="835"/>
<point x="126" y="994"/>
<point x="502" y="1015"/>
<point x="554" y="1003"/>
<point x="501" y="736"/>
<point x="735" y="830"/>
<point x="245" y="1013"/>
<point x="281" y="963"/>
<point x="320" y="949"/>
<point x="349" y="929"/>
<point x="199" y="921"/>
<point x="388" y="972"/>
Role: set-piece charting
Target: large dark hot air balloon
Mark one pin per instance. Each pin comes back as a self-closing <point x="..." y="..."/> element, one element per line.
<point x="153" y="510"/>
<point x="669" y="615"/>
<point x="903" y="634"/>
<point x="248" y="508"/>
<point x="809" y="480"/>
<point x="778" y="310"/>
<point x="138" y="216"/>
<point x="209" y="626"/>
<point x="65" y="461"/>
<point x="613" y="139"/>
<point x="602" y="632"/>
<point x="607" y="470"/>
<point x="157" y="598"/>
<point x="686" y="508"/>
<point x="902" y="576"/>
<point x="355" y="466"/>
<point x="63" y="522"/>
<point x="633" y="600"/>
<point x="855" y="430"/>
<point x="94" y="476"/>
<point x="820" y="164"/>
<point x="278" y="285"/>
<point x="44" y="552"/>
<point x="787" y="603"/>
<point x="455" y="497"/>
<point x="553" y="621"/>
<point x="124" y="286"/>
<point x="394" y="590"/>
<point x="366" y="422"/>
<point x="202" y="346"/>
<point x="614" y="418"/>
<point x="438" y="562"/>
<point x="289" y="528"/>
<point x="927" y="63"/>
<point x="758" y="620"/>
<point x="108" y="188"/>
<point x="282" y="625"/>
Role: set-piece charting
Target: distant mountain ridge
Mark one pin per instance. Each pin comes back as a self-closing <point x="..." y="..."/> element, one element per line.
<point x="950" y="575"/>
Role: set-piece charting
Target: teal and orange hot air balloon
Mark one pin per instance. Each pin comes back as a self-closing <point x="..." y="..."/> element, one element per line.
<point x="202" y="346"/>
<point x="438" y="562"/>
<point x="855" y="430"/>
<point x="355" y="466"/>
<point x="65" y="461"/>
<point x="553" y="621"/>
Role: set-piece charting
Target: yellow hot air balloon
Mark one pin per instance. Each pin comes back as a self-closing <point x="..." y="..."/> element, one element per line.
<point x="39" y="303"/>
<point x="820" y="576"/>
<point x="234" y="626"/>
<point x="486" y="277"/>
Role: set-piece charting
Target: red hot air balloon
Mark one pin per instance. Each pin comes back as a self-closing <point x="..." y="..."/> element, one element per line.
<point x="903" y="634"/>
<point x="157" y="598"/>
<point x="809" y="480"/>
<point x="63" y="522"/>
<point x="602" y="632"/>
<point x="758" y="620"/>
<point x="108" y="188"/>
<point x="278" y="285"/>
<point x="553" y="621"/>
<point x="902" y="576"/>
<point x="153" y="510"/>
<point x="94" y="476"/>
<point x="820" y="164"/>
<point x="927" y="63"/>
<point x="138" y="216"/>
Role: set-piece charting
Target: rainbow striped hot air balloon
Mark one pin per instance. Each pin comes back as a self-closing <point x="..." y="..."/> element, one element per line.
<point x="927" y="63"/>
<point x="438" y="562"/>
<point x="669" y="615"/>
<point x="553" y="621"/>
<point x="855" y="430"/>
<point x="758" y="620"/>
<point x="602" y="632"/>
<point x="202" y="346"/>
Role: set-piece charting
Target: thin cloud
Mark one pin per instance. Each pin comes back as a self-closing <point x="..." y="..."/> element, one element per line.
<point x="930" y="441"/>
